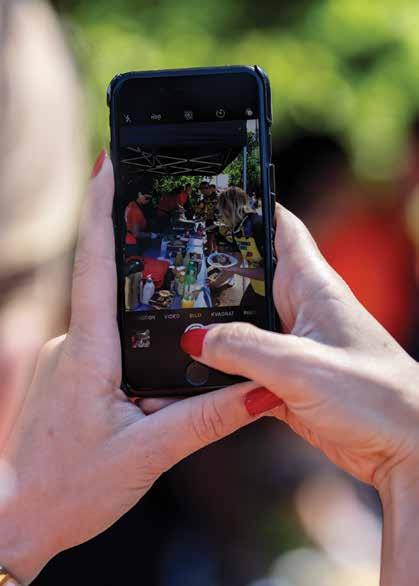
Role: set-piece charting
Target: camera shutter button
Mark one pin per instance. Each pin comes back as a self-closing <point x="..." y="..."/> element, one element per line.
<point x="196" y="374"/>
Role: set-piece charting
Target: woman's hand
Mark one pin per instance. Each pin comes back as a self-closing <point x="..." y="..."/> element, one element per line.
<point x="344" y="383"/>
<point x="80" y="453"/>
<point x="337" y="378"/>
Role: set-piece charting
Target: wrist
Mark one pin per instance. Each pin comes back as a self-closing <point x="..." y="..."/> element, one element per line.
<point x="22" y="559"/>
<point x="24" y="549"/>
<point x="400" y="500"/>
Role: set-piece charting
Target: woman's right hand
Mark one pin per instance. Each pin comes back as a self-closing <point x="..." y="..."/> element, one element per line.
<point x="338" y="379"/>
<point x="344" y="383"/>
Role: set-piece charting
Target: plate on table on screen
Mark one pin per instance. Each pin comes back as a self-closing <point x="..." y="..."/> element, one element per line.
<point x="222" y="260"/>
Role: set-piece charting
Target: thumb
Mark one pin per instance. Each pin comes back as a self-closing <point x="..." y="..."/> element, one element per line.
<point x="185" y="426"/>
<point x="282" y="363"/>
<point x="311" y="298"/>
<point x="93" y="301"/>
<point x="302" y="273"/>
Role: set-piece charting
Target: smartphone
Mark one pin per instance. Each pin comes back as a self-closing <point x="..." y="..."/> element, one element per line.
<point x="193" y="216"/>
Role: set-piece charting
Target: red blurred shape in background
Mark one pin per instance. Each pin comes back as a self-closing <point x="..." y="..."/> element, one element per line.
<point x="372" y="252"/>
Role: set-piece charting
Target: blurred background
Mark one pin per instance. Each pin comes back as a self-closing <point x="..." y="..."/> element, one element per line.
<point x="262" y="508"/>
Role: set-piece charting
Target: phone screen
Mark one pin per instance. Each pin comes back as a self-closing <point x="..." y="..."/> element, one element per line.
<point x="192" y="223"/>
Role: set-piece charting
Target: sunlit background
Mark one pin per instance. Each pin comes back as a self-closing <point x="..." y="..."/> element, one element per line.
<point x="262" y="508"/>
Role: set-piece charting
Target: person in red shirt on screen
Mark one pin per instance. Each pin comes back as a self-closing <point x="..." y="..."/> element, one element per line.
<point x="135" y="219"/>
<point x="184" y="199"/>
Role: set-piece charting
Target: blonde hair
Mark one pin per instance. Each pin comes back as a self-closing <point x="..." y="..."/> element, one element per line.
<point x="42" y="169"/>
<point x="42" y="142"/>
<point x="233" y="205"/>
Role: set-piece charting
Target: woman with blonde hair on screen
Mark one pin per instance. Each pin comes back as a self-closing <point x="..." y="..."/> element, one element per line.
<point x="245" y="231"/>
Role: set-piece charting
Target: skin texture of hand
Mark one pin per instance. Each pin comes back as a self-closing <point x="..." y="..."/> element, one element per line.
<point x="347" y="387"/>
<point x="80" y="454"/>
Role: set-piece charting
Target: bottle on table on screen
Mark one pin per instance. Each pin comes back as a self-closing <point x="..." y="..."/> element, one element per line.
<point x="148" y="290"/>
<point x="181" y="283"/>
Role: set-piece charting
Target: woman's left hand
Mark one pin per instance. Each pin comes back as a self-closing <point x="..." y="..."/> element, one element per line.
<point x="80" y="454"/>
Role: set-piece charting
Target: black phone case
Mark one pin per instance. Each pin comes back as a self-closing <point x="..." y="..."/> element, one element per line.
<point x="268" y="181"/>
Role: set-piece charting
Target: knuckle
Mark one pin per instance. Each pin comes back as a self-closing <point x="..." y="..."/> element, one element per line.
<point x="231" y="336"/>
<point x="227" y="344"/>
<point x="241" y="331"/>
<point x="207" y="422"/>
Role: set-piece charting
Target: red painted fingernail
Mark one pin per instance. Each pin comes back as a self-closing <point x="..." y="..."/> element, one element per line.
<point x="191" y="342"/>
<point x="98" y="163"/>
<point x="260" y="400"/>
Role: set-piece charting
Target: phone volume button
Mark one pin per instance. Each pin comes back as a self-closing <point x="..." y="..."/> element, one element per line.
<point x="272" y="184"/>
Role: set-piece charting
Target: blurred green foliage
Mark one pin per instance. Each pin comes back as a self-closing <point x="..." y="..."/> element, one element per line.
<point x="347" y="67"/>
<point x="168" y="183"/>
<point x="235" y="168"/>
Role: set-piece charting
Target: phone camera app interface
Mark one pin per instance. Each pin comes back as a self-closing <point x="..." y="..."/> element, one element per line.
<point x="192" y="213"/>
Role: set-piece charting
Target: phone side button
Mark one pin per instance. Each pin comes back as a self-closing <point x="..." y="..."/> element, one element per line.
<point x="272" y="180"/>
<point x="272" y="184"/>
<point x="197" y="374"/>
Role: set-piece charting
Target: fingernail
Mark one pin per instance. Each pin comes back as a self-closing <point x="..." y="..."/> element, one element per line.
<point x="98" y="163"/>
<point x="135" y="400"/>
<point x="191" y="342"/>
<point x="260" y="400"/>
